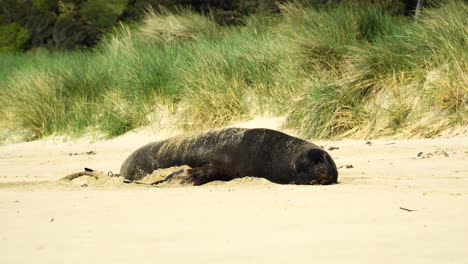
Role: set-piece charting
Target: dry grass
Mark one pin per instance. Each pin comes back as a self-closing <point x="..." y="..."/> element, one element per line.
<point x="348" y="71"/>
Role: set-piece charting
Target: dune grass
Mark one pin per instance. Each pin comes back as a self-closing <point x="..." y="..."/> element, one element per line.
<point x="410" y="79"/>
<point x="350" y="70"/>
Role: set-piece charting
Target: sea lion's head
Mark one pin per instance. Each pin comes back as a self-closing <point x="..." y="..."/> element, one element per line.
<point x="315" y="166"/>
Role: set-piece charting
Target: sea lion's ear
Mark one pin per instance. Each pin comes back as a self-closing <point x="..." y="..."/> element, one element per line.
<point x="308" y="159"/>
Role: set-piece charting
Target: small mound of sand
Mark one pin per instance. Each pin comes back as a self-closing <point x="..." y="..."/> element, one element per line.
<point x="173" y="176"/>
<point x="102" y="180"/>
<point x="247" y="180"/>
<point x="168" y="176"/>
<point x="176" y="176"/>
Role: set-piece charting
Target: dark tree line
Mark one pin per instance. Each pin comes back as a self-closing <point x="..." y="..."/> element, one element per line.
<point x="69" y="24"/>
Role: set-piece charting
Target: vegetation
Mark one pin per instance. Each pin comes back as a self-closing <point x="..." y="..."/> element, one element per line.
<point x="349" y="70"/>
<point x="392" y="82"/>
<point x="78" y="24"/>
<point x="14" y="37"/>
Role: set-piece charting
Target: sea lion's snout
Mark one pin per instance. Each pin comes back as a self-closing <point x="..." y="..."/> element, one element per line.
<point x="315" y="166"/>
<point x="322" y="182"/>
<point x="326" y="181"/>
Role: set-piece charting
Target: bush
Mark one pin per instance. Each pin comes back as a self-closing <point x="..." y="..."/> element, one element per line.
<point x="14" y="38"/>
<point x="103" y="13"/>
<point x="69" y="33"/>
<point x="45" y="4"/>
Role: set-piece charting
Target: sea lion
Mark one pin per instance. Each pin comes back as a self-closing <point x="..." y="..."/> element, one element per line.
<point x="230" y="153"/>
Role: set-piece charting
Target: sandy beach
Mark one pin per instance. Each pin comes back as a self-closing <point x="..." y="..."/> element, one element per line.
<point x="397" y="201"/>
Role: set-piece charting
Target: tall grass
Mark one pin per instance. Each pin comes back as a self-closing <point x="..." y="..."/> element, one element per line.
<point x="412" y="79"/>
<point x="349" y="70"/>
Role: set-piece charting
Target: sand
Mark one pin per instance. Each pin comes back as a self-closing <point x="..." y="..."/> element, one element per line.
<point x="397" y="201"/>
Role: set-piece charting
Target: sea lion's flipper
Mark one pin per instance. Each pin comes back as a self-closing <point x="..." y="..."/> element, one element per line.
<point x="87" y="172"/>
<point x="209" y="173"/>
<point x="169" y="177"/>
